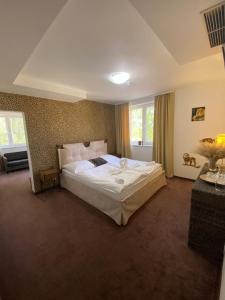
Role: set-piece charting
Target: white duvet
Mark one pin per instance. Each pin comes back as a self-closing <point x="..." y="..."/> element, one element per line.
<point x="118" y="174"/>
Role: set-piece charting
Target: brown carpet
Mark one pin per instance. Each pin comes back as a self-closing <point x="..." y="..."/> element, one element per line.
<point x="54" y="246"/>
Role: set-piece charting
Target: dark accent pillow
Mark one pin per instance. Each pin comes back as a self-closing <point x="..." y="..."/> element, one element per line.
<point x="98" y="161"/>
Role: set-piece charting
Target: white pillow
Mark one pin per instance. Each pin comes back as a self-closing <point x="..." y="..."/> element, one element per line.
<point x="111" y="159"/>
<point x="78" y="166"/>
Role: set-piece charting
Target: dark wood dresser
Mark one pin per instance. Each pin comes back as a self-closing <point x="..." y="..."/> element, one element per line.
<point x="207" y="220"/>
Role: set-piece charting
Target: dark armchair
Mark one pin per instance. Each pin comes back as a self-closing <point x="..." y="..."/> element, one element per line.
<point x="15" y="161"/>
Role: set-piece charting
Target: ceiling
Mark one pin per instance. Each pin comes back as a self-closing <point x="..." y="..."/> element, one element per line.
<point x="66" y="50"/>
<point x="179" y="26"/>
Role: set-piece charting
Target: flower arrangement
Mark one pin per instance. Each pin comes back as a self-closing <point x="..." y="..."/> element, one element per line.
<point x="212" y="149"/>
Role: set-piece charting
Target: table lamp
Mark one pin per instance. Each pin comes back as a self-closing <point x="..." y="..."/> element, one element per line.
<point x="220" y="139"/>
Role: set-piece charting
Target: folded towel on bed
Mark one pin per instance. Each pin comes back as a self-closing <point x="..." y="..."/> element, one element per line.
<point x="115" y="171"/>
<point x="119" y="180"/>
<point x="123" y="163"/>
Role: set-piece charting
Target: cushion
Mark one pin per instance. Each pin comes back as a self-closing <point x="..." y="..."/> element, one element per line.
<point x="78" y="166"/>
<point x="16" y="155"/>
<point x="98" y="161"/>
<point x="79" y="152"/>
<point x="99" y="147"/>
<point x="13" y="163"/>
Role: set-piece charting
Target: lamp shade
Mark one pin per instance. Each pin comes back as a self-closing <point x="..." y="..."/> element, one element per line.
<point x="220" y="139"/>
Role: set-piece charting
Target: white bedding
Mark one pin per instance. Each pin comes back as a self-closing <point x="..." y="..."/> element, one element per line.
<point x="118" y="178"/>
<point x="118" y="188"/>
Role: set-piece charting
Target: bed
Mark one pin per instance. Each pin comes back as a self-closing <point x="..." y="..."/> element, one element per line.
<point x="117" y="187"/>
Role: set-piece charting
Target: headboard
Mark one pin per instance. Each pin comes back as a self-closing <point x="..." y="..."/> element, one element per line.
<point x="79" y="151"/>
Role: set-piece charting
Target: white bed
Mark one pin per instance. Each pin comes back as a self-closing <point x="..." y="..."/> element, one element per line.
<point x="117" y="188"/>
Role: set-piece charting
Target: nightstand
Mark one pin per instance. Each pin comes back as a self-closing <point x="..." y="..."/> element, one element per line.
<point x="48" y="178"/>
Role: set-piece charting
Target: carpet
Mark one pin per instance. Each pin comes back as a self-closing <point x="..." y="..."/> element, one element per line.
<point x="55" y="246"/>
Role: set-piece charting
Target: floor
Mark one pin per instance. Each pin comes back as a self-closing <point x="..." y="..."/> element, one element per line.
<point x="54" y="246"/>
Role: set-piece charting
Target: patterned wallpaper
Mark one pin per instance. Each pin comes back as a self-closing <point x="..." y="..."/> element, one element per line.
<point x="51" y="122"/>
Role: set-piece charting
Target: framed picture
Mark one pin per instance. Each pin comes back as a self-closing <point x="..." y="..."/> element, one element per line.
<point x="198" y="114"/>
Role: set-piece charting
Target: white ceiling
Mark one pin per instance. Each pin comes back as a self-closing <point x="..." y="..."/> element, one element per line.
<point x="179" y="26"/>
<point x="22" y="25"/>
<point x="69" y="54"/>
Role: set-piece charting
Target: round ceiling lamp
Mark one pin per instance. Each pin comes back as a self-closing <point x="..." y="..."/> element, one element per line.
<point x="119" y="77"/>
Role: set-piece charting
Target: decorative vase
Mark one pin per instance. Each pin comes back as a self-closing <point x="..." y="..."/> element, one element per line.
<point x="212" y="164"/>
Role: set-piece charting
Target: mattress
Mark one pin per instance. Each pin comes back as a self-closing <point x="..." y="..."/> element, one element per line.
<point x="108" y="191"/>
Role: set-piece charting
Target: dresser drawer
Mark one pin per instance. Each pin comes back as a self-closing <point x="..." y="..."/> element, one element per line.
<point x="208" y="214"/>
<point x="207" y="238"/>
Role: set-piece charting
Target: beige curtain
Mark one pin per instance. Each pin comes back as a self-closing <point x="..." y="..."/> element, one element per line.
<point x="163" y="131"/>
<point x="122" y="130"/>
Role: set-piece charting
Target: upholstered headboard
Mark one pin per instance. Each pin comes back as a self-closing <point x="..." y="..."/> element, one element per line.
<point x="79" y="151"/>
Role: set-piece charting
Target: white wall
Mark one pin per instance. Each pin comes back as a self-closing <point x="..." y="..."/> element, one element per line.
<point x="143" y="153"/>
<point x="187" y="133"/>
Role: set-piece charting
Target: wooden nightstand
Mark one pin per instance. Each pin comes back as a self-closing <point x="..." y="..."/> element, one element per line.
<point x="48" y="178"/>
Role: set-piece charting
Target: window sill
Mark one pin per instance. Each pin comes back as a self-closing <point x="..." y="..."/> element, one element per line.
<point x="12" y="146"/>
<point x="141" y="145"/>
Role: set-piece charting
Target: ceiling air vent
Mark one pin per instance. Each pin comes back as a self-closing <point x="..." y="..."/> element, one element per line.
<point x="215" y="24"/>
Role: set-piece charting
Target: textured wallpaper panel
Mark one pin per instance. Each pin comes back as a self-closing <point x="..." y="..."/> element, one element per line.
<point x="51" y="122"/>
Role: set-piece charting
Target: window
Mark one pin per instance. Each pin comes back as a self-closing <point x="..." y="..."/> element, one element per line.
<point x="12" y="132"/>
<point x="4" y="140"/>
<point x="141" y="124"/>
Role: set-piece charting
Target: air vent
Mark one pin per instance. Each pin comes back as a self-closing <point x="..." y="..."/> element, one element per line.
<point x="215" y="24"/>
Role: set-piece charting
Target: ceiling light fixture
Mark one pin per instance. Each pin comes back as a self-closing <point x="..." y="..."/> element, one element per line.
<point x="119" y="77"/>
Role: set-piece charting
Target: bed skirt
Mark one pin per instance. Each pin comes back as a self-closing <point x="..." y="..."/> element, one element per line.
<point x="119" y="211"/>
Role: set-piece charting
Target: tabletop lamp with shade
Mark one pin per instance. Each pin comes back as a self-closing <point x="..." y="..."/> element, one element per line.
<point x="220" y="139"/>
<point x="213" y="150"/>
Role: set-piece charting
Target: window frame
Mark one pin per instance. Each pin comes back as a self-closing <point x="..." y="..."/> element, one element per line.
<point x="144" y="107"/>
<point x="8" y="116"/>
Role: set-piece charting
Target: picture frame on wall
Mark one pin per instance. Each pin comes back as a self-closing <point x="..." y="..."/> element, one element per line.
<point x="198" y="114"/>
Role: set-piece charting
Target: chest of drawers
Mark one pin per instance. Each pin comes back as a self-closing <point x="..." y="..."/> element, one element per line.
<point x="207" y="220"/>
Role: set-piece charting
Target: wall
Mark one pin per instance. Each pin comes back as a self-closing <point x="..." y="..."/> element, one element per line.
<point x="187" y="133"/>
<point x="143" y="153"/>
<point x="51" y="122"/>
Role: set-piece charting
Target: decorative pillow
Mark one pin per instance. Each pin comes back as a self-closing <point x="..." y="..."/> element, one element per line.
<point x="98" y="161"/>
<point x="78" y="166"/>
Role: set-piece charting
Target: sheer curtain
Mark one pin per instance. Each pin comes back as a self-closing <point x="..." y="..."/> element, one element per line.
<point x="122" y="130"/>
<point x="163" y="131"/>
